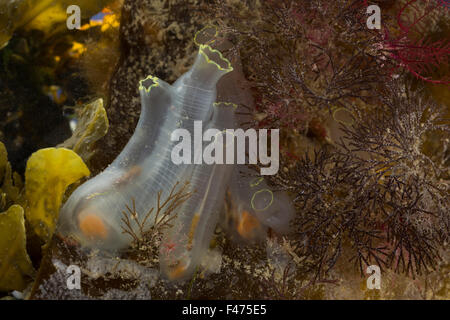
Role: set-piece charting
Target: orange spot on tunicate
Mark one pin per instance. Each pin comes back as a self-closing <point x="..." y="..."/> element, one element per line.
<point x="92" y="226"/>
<point x="178" y="271"/>
<point x="247" y="225"/>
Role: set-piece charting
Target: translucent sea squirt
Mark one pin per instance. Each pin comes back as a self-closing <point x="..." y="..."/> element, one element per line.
<point x="188" y="240"/>
<point x="93" y="212"/>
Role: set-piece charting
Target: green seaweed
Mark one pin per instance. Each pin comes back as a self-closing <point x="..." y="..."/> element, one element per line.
<point x="39" y="14"/>
<point x="10" y="183"/>
<point x="92" y="125"/>
<point x="15" y="265"/>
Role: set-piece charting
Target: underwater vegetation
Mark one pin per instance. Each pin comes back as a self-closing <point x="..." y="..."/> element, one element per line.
<point x="363" y="176"/>
<point x="410" y="45"/>
<point x="38" y="15"/>
<point x="372" y="181"/>
<point x="43" y="49"/>
<point x="16" y="264"/>
<point x="49" y="172"/>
